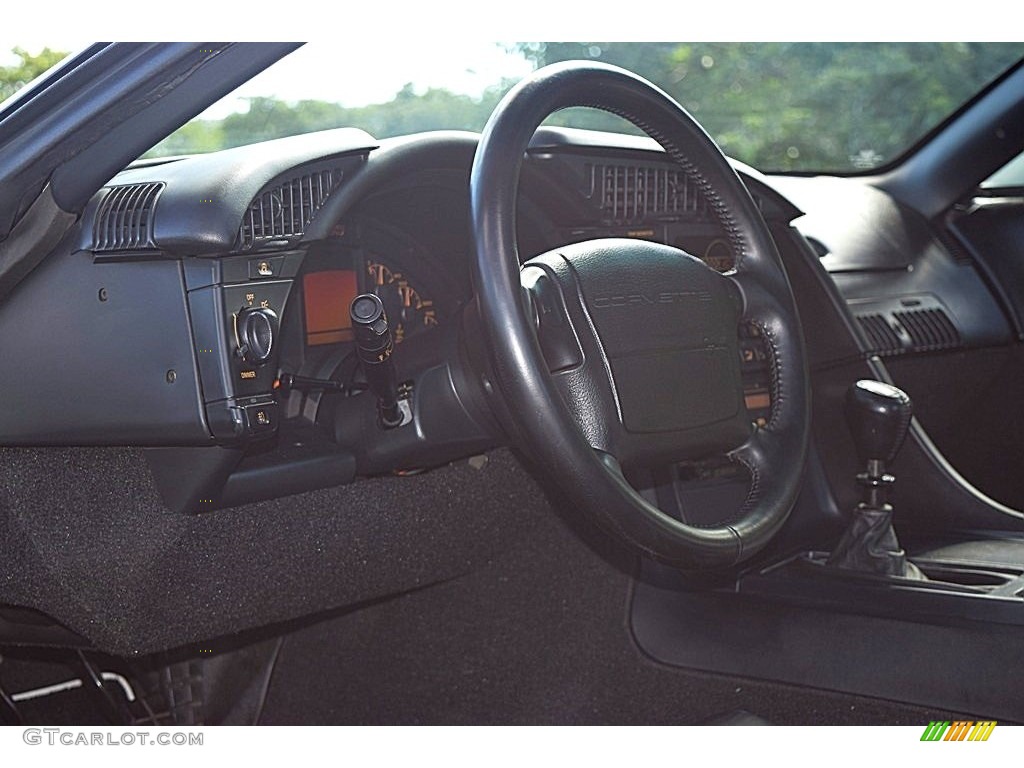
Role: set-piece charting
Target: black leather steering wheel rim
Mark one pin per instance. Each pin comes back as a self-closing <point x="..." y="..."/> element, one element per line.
<point x="543" y="426"/>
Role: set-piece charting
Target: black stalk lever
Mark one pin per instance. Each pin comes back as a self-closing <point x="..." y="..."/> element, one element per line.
<point x="374" y="347"/>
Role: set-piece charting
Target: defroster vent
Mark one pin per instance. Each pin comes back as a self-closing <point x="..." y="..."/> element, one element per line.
<point x="632" y="193"/>
<point x="880" y="335"/>
<point x="124" y="221"/>
<point x="287" y="209"/>
<point x="929" y="329"/>
<point x="920" y="329"/>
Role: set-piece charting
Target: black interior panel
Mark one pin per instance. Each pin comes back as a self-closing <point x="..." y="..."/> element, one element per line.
<point x="885" y="658"/>
<point x="994" y="230"/>
<point x="110" y="361"/>
<point x="969" y="403"/>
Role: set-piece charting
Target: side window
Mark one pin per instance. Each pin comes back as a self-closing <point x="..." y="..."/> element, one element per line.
<point x="1010" y="175"/>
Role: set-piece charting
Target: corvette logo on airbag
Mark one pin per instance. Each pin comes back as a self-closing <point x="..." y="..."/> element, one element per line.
<point x="605" y="301"/>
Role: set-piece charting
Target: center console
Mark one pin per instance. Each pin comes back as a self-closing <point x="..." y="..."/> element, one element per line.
<point x="936" y="624"/>
<point x="980" y="578"/>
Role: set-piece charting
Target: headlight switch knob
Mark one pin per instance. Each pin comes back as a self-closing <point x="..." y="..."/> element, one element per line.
<point x="256" y="330"/>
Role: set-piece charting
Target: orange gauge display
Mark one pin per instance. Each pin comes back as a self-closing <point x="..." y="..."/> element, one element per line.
<point x="328" y="296"/>
<point x="718" y="256"/>
<point x="407" y="310"/>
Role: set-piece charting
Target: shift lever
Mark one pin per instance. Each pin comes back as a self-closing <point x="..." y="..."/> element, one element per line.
<point x="879" y="416"/>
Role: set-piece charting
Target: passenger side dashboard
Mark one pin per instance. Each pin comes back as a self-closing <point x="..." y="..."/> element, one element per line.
<point x="910" y="289"/>
<point x="931" y="303"/>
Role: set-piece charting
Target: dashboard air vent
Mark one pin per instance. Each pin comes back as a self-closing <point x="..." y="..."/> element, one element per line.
<point x="124" y="221"/>
<point x="929" y="329"/>
<point x="287" y="209"/>
<point x="880" y="335"/>
<point x="629" y="193"/>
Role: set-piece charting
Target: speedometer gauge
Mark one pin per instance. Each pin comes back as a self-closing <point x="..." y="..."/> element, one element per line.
<point x="407" y="310"/>
<point x="369" y="256"/>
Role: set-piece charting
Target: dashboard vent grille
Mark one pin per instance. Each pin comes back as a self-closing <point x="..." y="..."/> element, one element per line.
<point x="124" y="221"/>
<point x="917" y="330"/>
<point x="287" y="209"/>
<point x="929" y="329"/>
<point x="635" y="192"/>
<point x="880" y="334"/>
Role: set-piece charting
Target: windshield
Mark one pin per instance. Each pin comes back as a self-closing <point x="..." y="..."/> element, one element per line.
<point x="797" y="107"/>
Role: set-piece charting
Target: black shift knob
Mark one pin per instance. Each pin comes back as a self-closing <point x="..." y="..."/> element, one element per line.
<point x="879" y="416"/>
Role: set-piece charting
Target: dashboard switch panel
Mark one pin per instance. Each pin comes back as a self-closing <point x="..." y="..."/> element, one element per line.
<point x="250" y="310"/>
<point x="236" y="332"/>
<point x="261" y="417"/>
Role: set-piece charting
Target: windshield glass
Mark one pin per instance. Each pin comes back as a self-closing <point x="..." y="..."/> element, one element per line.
<point x="21" y="64"/>
<point x="801" y="107"/>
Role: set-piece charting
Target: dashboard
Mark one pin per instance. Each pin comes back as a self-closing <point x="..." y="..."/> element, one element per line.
<point x="408" y="243"/>
<point x="205" y="301"/>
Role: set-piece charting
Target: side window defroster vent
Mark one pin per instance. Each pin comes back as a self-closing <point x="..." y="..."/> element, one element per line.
<point x="124" y="221"/>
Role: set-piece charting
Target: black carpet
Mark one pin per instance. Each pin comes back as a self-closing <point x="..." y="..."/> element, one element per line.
<point x="507" y="615"/>
<point x="539" y="636"/>
<point x="85" y="538"/>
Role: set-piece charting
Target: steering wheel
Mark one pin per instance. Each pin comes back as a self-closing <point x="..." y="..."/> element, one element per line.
<point x="615" y="353"/>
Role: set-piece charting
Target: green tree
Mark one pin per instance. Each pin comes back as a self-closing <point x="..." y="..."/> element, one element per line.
<point x="794" y="106"/>
<point x="777" y="106"/>
<point x="30" y="66"/>
<point x="271" y="118"/>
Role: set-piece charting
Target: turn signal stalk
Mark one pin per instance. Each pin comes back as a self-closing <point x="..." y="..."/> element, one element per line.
<point x="374" y="347"/>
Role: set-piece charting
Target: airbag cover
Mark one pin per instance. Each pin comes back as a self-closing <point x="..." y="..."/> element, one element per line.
<point x="667" y="323"/>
